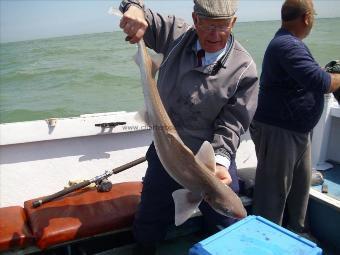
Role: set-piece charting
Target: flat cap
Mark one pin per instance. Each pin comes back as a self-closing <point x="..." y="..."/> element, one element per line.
<point x="215" y="9"/>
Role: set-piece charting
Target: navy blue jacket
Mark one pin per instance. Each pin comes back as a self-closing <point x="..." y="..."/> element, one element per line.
<point x="292" y="85"/>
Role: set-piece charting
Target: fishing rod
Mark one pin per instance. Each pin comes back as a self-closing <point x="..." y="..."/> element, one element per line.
<point x="97" y="180"/>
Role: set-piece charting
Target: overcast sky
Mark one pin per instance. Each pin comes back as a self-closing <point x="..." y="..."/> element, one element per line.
<point x="26" y="19"/>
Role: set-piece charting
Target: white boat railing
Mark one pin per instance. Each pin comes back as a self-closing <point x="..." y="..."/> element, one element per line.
<point x="38" y="158"/>
<point x="326" y="136"/>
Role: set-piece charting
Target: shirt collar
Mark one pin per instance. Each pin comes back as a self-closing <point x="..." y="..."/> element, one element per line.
<point x="212" y="57"/>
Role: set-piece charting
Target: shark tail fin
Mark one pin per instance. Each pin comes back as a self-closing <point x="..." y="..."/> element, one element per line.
<point x="186" y="204"/>
<point x="136" y="58"/>
<point x="157" y="60"/>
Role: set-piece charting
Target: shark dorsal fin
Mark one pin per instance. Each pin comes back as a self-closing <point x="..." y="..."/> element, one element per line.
<point x="207" y="156"/>
<point x="157" y="60"/>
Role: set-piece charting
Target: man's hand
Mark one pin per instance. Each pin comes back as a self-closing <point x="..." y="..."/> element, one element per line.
<point x="223" y="174"/>
<point x="134" y="24"/>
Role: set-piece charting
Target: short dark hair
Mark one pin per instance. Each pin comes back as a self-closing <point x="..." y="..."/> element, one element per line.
<point x="292" y="10"/>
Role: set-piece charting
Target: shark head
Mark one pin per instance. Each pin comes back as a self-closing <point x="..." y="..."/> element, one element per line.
<point x="225" y="203"/>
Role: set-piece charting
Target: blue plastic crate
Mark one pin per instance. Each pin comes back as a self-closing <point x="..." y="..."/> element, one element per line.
<point x="256" y="236"/>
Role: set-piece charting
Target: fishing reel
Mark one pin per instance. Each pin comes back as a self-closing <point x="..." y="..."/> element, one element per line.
<point x="333" y="66"/>
<point x="104" y="185"/>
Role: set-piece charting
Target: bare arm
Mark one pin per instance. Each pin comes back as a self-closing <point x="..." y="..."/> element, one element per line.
<point x="335" y="82"/>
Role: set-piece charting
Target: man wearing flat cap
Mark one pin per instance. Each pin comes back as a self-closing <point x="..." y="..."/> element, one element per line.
<point x="208" y="84"/>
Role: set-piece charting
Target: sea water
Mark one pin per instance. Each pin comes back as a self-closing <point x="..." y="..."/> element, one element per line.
<point x="74" y="75"/>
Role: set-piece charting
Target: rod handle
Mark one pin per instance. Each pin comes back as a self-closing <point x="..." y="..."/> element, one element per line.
<point x="61" y="193"/>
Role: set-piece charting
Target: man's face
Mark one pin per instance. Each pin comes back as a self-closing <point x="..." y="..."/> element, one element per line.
<point x="213" y="33"/>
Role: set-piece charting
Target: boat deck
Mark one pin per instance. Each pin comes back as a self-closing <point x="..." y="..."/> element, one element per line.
<point x="332" y="180"/>
<point x="324" y="211"/>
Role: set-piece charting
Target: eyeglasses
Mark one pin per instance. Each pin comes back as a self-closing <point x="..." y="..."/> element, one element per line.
<point x="210" y="28"/>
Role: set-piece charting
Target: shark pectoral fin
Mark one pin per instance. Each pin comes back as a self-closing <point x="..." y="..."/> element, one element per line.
<point x="206" y="155"/>
<point x="186" y="204"/>
<point x="157" y="60"/>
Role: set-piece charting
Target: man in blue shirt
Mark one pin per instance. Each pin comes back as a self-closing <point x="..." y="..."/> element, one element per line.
<point x="290" y="103"/>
